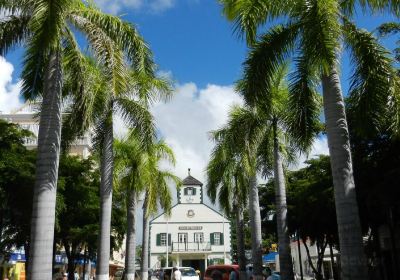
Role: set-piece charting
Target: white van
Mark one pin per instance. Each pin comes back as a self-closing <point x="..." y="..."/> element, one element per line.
<point x="188" y="273"/>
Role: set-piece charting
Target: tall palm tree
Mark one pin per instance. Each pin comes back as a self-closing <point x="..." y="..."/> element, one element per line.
<point x="157" y="192"/>
<point x="44" y="29"/>
<point x="312" y="32"/>
<point x="276" y="126"/>
<point x="130" y="93"/>
<point x="129" y="155"/>
<point x="241" y="152"/>
<point x="227" y="180"/>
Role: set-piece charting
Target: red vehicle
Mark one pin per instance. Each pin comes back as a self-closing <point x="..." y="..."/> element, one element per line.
<point x="221" y="272"/>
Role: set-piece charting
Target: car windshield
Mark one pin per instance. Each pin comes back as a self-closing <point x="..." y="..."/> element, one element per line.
<point x="188" y="272"/>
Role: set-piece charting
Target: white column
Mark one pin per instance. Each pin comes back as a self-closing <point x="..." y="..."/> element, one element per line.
<point x="205" y="262"/>
<point x="178" y="261"/>
<point x="167" y="246"/>
<point x="223" y="233"/>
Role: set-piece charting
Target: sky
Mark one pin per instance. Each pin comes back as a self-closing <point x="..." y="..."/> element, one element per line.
<point x="195" y="46"/>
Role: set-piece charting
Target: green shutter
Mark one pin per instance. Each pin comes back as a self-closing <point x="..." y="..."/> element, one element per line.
<point x="212" y="238"/>
<point x="221" y="238"/>
<point x="158" y="239"/>
<point x="169" y="239"/>
<point x="185" y="191"/>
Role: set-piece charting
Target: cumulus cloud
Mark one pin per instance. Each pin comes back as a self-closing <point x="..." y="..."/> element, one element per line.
<point x="185" y="121"/>
<point x="320" y="147"/>
<point x="9" y="90"/>
<point x="121" y="6"/>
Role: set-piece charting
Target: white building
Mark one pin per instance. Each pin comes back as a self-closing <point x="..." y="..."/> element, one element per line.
<point x="27" y="118"/>
<point x="197" y="234"/>
<point x="300" y="256"/>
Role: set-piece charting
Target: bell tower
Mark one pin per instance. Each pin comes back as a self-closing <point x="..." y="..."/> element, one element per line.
<point x="191" y="191"/>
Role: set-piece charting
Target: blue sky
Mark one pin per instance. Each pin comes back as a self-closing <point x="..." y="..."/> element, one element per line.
<point x="192" y="40"/>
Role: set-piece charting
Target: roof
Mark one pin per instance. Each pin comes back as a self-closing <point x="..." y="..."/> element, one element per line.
<point x="189" y="180"/>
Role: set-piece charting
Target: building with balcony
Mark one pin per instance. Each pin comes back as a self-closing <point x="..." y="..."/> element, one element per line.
<point x="193" y="235"/>
<point x="27" y="117"/>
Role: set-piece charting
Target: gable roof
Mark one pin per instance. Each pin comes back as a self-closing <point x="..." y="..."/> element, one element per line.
<point x="189" y="180"/>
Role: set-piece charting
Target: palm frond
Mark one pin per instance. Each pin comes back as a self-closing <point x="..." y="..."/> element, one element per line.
<point x="372" y="5"/>
<point x="265" y="57"/>
<point x="13" y="32"/>
<point x="150" y="89"/>
<point x="373" y="79"/>
<point x="248" y="15"/>
<point x="303" y="106"/>
<point x="320" y="33"/>
<point x="123" y="33"/>
<point x="106" y="52"/>
<point x="388" y="28"/>
<point x="137" y="117"/>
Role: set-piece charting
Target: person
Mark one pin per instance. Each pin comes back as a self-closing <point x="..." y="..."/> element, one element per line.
<point x="232" y="275"/>
<point x="177" y="274"/>
<point x="65" y="276"/>
<point x="198" y="273"/>
<point x="76" y="275"/>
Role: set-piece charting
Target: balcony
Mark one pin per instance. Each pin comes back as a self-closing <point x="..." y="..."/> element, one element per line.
<point x="190" y="247"/>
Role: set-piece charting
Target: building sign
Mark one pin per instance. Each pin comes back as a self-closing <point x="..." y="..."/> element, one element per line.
<point x="190" y="228"/>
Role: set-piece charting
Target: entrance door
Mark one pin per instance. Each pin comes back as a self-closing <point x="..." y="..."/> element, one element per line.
<point x="183" y="239"/>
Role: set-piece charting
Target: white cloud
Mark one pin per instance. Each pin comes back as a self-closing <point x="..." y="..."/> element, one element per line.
<point x="9" y="91"/>
<point x="320" y="147"/>
<point x="124" y="6"/>
<point x="185" y="121"/>
<point x="161" y="5"/>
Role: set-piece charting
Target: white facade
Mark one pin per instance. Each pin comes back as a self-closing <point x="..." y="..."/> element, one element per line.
<point x="327" y="266"/>
<point x="198" y="235"/>
<point x="27" y="118"/>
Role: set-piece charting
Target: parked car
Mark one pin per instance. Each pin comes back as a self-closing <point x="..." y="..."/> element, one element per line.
<point x="223" y="269"/>
<point x="187" y="273"/>
<point x="120" y="272"/>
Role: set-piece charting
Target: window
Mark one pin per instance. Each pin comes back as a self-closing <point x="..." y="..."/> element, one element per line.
<point x="217" y="238"/>
<point x="163" y="239"/>
<point x="198" y="237"/>
<point x="189" y="191"/>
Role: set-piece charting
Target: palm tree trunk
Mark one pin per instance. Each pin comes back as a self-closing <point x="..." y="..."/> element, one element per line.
<point x="130" y="250"/>
<point x="144" y="268"/>
<point x="106" y="185"/>
<point x="256" y="238"/>
<point x="285" y="258"/>
<point x="48" y="155"/>
<point x="240" y="243"/>
<point x="353" y="261"/>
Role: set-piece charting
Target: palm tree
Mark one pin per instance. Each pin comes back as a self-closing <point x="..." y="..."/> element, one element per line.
<point x="226" y="179"/>
<point x="129" y="155"/>
<point x="241" y="155"/>
<point x="268" y="128"/>
<point x="130" y="93"/>
<point x="44" y="28"/>
<point x="157" y="192"/>
<point x="312" y="33"/>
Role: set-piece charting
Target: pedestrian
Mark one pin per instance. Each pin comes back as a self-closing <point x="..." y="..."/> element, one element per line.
<point x="65" y="276"/>
<point x="232" y="275"/>
<point x="177" y="274"/>
<point x="76" y="275"/>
